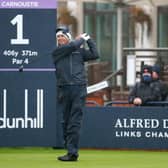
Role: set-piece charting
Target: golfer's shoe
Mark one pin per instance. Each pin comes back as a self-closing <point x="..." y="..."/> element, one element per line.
<point x="68" y="157"/>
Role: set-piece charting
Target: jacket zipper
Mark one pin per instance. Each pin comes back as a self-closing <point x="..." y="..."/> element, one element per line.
<point x="71" y="64"/>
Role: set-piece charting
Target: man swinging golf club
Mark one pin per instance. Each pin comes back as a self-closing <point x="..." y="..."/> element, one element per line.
<point x="69" y="58"/>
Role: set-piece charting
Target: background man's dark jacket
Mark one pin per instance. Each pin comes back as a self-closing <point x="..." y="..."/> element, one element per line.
<point x="146" y="91"/>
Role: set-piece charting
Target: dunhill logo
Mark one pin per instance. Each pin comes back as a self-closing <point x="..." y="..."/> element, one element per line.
<point x="25" y="121"/>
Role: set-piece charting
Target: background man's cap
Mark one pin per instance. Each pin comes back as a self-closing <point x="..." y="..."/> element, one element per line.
<point x="156" y="68"/>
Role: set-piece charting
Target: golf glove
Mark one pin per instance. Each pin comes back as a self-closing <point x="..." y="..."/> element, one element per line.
<point x="85" y="36"/>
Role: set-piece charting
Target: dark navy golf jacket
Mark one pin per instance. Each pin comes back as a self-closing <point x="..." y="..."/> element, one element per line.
<point x="69" y="61"/>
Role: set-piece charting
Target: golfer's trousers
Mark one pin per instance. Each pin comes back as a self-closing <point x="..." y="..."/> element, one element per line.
<point x="72" y="101"/>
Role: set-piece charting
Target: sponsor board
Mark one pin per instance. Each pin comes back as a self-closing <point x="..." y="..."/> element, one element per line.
<point x="27" y="89"/>
<point x="125" y="127"/>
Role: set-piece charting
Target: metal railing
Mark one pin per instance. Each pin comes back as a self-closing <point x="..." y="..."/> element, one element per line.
<point x="150" y="103"/>
<point x="122" y="103"/>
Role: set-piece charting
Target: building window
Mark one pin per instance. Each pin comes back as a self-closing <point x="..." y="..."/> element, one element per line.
<point x="163" y="27"/>
<point x="100" y="23"/>
<point x="163" y="34"/>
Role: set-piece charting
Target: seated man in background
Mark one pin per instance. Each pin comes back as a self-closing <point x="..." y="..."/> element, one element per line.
<point x="144" y="91"/>
<point x="159" y="83"/>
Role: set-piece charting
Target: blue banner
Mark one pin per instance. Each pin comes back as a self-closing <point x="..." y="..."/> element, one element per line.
<point x="125" y="128"/>
<point x="27" y="89"/>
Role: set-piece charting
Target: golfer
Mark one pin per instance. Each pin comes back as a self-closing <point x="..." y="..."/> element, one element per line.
<point x="69" y="57"/>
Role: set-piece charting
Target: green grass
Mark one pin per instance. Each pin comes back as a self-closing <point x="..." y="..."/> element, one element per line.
<point x="46" y="158"/>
